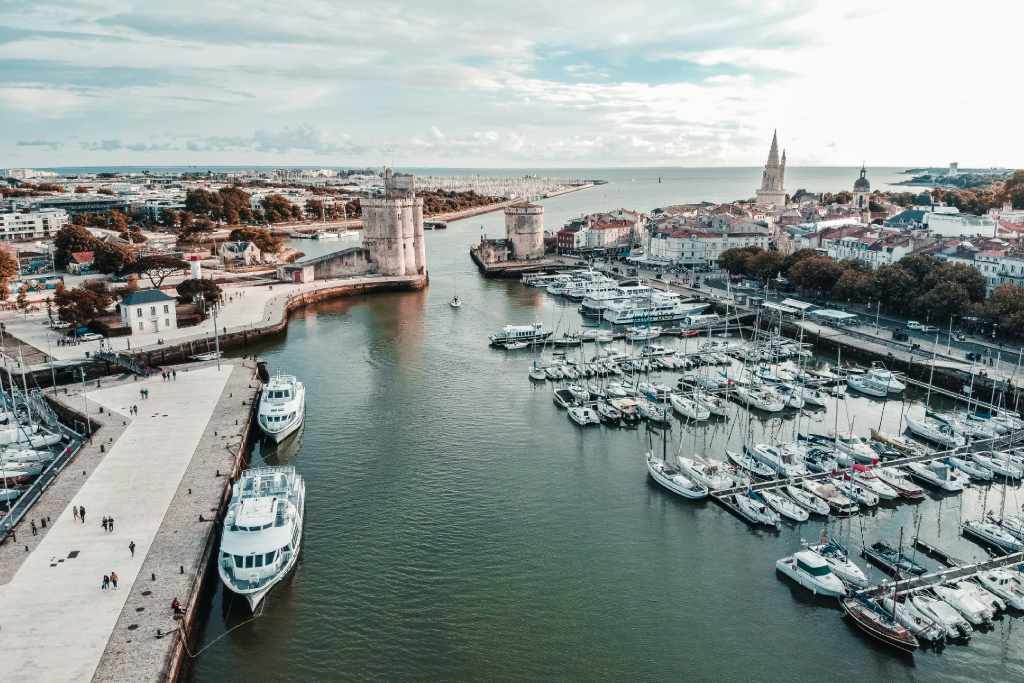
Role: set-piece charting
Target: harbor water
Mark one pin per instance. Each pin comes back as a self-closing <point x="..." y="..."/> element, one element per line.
<point x="459" y="526"/>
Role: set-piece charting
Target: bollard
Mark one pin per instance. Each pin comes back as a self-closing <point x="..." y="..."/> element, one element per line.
<point x="102" y="449"/>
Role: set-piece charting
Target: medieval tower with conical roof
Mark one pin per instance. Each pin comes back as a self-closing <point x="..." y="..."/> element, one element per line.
<point x="773" y="188"/>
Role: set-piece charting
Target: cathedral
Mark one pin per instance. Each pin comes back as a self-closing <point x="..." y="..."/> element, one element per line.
<point x="773" y="189"/>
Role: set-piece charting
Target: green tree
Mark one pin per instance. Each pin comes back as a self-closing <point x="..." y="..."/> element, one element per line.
<point x="82" y="305"/>
<point x="853" y="285"/>
<point x="735" y="261"/>
<point x="765" y="265"/>
<point x="188" y="289"/>
<point x="267" y="241"/>
<point x="276" y="208"/>
<point x="71" y="239"/>
<point x="1012" y="190"/>
<point x="22" y="300"/>
<point x="111" y="258"/>
<point x="817" y="274"/>
<point x="157" y="267"/>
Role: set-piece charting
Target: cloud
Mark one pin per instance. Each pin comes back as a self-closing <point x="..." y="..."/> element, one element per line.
<point x="50" y="144"/>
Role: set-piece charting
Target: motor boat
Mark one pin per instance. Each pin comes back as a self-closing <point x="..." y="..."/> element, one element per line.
<point x="962" y="424"/>
<point x="282" y="407"/>
<point x="858" y="492"/>
<point x="710" y="473"/>
<point x="891" y="561"/>
<point x="969" y="467"/>
<point x="782" y="462"/>
<point x="900" y="443"/>
<point x="628" y="407"/>
<point x="537" y="372"/>
<point x="583" y="415"/>
<point x="867" y="386"/>
<point x="991" y="534"/>
<point x="1004" y="584"/>
<point x="867" y="477"/>
<point x="716" y="405"/>
<point x="915" y="621"/>
<point x="981" y="594"/>
<point x="519" y="333"/>
<point x="635" y="334"/>
<point x="935" y="431"/>
<point x="855" y="448"/>
<point x="689" y="408"/>
<point x="819" y="459"/>
<point x="884" y="451"/>
<point x="943" y="614"/>
<point x="760" y="398"/>
<point x="880" y="376"/>
<point x="654" y="391"/>
<point x="554" y="372"/>
<point x="964" y="603"/>
<point x="564" y="398"/>
<point x="878" y="623"/>
<point x="616" y="390"/>
<point x="998" y="463"/>
<point x="1013" y="524"/>
<point x="608" y="413"/>
<point x="455" y="302"/>
<point x="674" y="480"/>
<point x="749" y="464"/>
<point x="811" y="571"/>
<point x="807" y="500"/>
<point x="896" y="479"/>
<point x="937" y="474"/>
<point x="837" y="501"/>
<point x="753" y="510"/>
<point x="838" y="558"/>
<point x="651" y="411"/>
<point x="782" y="505"/>
<point x="262" y="531"/>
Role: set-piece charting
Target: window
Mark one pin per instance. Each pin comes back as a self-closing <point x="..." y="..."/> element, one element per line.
<point x="167" y="309"/>
<point x="152" y="310"/>
<point x="141" y="326"/>
<point x="138" y="312"/>
<point x="248" y="562"/>
<point x="259" y="560"/>
<point x="270" y="557"/>
<point x="167" y="322"/>
<point x="238" y="561"/>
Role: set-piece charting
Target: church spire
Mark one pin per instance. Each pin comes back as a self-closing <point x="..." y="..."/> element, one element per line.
<point x="773" y="154"/>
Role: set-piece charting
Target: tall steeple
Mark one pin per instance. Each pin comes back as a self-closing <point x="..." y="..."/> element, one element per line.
<point x="773" y="153"/>
<point x="773" y="192"/>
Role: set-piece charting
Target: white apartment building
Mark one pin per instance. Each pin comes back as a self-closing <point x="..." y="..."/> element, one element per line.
<point x="689" y="247"/>
<point x="149" y="310"/>
<point x="960" y="225"/>
<point x="872" y="251"/>
<point x="32" y="225"/>
<point x="997" y="270"/>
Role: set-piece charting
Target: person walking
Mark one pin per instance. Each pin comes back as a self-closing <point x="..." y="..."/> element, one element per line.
<point x="131" y="548"/>
<point x="113" y="579"/>
<point x="110" y="523"/>
<point x="74" y="511"/>
<point x="81" y="513"/>
<point x="34" y="530"/>
<point x="106" y="583"/>
<point x="104" y="523"/>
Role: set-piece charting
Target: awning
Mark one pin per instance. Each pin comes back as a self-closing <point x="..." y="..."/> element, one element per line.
<point x="833" y="315"/>
<point x="781" y="308"/>
<point x="799" y="305"/>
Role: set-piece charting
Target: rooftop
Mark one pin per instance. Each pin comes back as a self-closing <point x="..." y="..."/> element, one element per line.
<point x="145" y="296"/>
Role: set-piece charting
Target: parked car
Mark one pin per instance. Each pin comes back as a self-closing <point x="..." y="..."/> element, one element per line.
<point x="914" y="325"/>
<point x="90" y="336"/>
<point x="929" y="329"/>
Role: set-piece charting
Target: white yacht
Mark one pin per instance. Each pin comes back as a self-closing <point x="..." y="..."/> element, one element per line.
<point x="674" y="480"/>
<point x="710" y="473"/>
<point x="760" y="398"/>
<point x="998" y="463"/>
<point x="807" y="500"/>
<point x="838" y="558"/>
<point x="867" y="386"/>
<point x="783" y="505"/>
<point x="964" y="603"/>
<point x="938" y="474"/>
<point x="782" y="461"/>
<point x="594" y="304"/>
<point x="992" y="534"/>
<point x="811" y="571"/>
<point x="1005" y="585"/>
<point x="868" y="478"/>
<point x="943" y="614"/>
<point x="937" y="432"/>
<point x="880" y="376"/>
<point x="689" y="408"/>
<point x="855" y="448"/>
<point x="913" y="619"/>
<point x="262" y="531"/>
<point x="282" y="407"/>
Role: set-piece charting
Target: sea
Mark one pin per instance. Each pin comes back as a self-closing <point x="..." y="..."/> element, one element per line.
<point x="459" y="527"/>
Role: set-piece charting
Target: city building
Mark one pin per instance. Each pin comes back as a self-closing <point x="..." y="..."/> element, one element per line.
<point x="960" y="225"/>
<point x="31" y="225"/>
<point x="772" y="191"/>
<point x="240" y="253"/>
<point x="700" y="249"/>
<point x="81" y="262"/>
<point x="149" y="310"/>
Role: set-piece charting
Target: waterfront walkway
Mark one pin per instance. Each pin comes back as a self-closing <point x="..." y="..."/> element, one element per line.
<point x="56" y="621"/>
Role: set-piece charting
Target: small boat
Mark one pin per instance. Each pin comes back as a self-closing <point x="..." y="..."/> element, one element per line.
<point x="674" y="480"/>
<point x="747" y="463"/>
<point x="583" y="416"/>
<point x="891" y="561"/>
<point x="900" y="443"/>
<point x="934" y="431"/>
<point x="537" y="372"/>
<point x="937" y="474"/>
<point x="988" y="599"/>
<point x="991" y="534"/>
<point x="1003" y="583"/>
<point x="882" y="377"/>
<point x="564" y="398"/>
<point x="783" y="462"/>
<point x="628" y="407"/>
<point x="837" y="501"/>
<point x="1014" y="524"/>
<point x="819" y="459"/>
<point x="811" y="571"/>
<point x="515" y="345"/>
<point x="896" y="479"/>
<point x="608" y="413"/>
<point x="855" y="448"/>
<point x="878" y="623"/>
<point x="753" y="510"/>
<point x="711" y="473"/>
<point x="867" y="386"/>
<point x="761" y="398"/>
<point x="916" y="621"/>
<point x="964" y="603"/>
<point x="455" y="302"/>
<point x="971" y="468"/>
<point x="653" y="412"/>
<point x="688" y="408"/>
<point x="209" y="355"/>
<point x="616" y="390"/>
<point x="716" y="405"/>
<point x="944" y="615"/>
<point x="635" y="334"/>
<point x="807" y="500"/>
<point x="856" y="491"/>
<point x="867" y="477"/>
<point x="782" y="505"/>
<point x="838" y="558"/>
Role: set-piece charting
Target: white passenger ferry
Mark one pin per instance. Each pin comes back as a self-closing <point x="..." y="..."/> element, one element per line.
<point x="516" y="334"/>
<point x="282" y="407"/>
<point x="594" y="304"/>
<point x="656" y="308"/>
<point x="262" y="531"/>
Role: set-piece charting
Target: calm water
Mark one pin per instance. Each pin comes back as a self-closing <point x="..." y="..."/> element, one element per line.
<point x="458" y="526"/>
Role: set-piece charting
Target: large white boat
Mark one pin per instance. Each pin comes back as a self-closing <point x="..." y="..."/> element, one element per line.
<point x="519" y="333"/>
<point x="282" y="407"/>
<point x="653" y="309"/>
<point x="937" y="432"/>
<point x="710" y="473"/>
<point x="811" y="571"/>
<point x="761" y="398"/>
<point x="782" y="461"/>
<point x="938" y="474"/>
<point x="838" y="558"/>
<point x="594" y="304"/>
<point x="867" y="385"/>
<point x="262" y="531"/>
<point x="880" y="376"/>
<point x="673" y="479"/>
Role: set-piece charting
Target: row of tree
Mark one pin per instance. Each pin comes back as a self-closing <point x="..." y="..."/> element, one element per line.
<point x="113" y="258"/>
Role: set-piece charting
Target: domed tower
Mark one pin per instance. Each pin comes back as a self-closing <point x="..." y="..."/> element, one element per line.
<point x="862" y="190"/>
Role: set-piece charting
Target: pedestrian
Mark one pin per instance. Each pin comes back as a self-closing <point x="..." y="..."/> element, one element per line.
<point x="43" y="521"/>
<point x="106" y="582"/>
<point x="131" y="548"/>
<point x="81" y="513"/>
<point x="174" y="374"/>
<point x="104" y="523"/>
<point x="110" y="523"/>
<point x="113" y="579"/>
<point x="142" y="393"/>
<point x="74" y="511"/>
<point x="34" y="530"/>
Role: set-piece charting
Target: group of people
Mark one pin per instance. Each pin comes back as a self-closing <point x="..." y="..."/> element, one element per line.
<point x="109" y="581"/>
<point x="169" y="375"/>
<point x="108" y="524"/>
<point x="69" y="341"/>
<point x="144" y="393"/>
<point x="79" y="512"/>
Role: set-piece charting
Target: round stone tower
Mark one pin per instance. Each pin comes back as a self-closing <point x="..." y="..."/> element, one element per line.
<point x="393" y="227"/>
<point x="524" y="227"/>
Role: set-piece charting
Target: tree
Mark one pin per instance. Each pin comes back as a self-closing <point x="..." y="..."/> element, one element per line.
<point x="1012" y="190"/>
<point x="71" y="239"/>
<point x="188" y="289"/>
<point x="276" y="208"/>
<point x="853" y="285"/>
<point x="817" y="274"/>
<point x="735" y="261"/>
<point x="896" y="287"/>
<point x="157" y="267"/>
<point x="111" y="258"/>
<point x="267" y="241"/>
<point x="22" y="301"/>
<point x="795" y="258"/>
<point x="82" y="305"/>
<point x="764" y="265"/>
<point x="8" y="269"/>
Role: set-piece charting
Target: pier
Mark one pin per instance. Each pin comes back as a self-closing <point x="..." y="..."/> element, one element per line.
<point x="935" y="578"/>
<point x="162" y="475"/>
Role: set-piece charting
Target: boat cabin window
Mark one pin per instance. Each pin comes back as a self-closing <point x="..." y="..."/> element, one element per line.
<point x="269" y="557"/>
<point x="258" y="560"/>
<point x="239" y="561"/>
<point x="248" y="562"/>
<point x="814" y="571"/>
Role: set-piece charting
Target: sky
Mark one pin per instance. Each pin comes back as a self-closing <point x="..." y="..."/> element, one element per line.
<point x="474" y="83"/>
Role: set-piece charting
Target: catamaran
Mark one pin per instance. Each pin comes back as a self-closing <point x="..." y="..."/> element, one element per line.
<point x="282" y="407"/>
<point x="262" y="531"/>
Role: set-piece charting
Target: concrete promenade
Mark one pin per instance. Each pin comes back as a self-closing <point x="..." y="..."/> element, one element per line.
<point x="56" y="621"/>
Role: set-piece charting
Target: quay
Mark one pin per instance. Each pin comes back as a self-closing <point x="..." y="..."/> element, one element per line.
<point x="164" y="493"/>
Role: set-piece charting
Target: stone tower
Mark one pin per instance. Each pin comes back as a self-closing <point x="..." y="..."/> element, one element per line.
<point x="524" y="227"/>
<point x="393" y="227"/>
<point x="773" y="189"/>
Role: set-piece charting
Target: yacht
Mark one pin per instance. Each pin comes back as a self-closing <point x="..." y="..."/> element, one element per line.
<point x="519" y="333"/>
<point x="753" y="510"/>
<point x="892" y="561"/>
<point x="867" y="386"/>
<point x="807" y="500"/>
<point x="944" y="615"/>
<point x="716" y="405"/>
<point x="934" y="431"/>
<point x="594" y="304"/>
<point x="868" y="478"/>
<point x="897" y="480"/>
<point x="282" y="407"/>
<point x="969" y="467"/>
<point x="608" y="413"/>
<point x="782" y="462"/>
<point x="840" y="504"/>
<point x="749" y="464"/>
<point x="782" y="505"/>
<point x="969" y="429"/>
<point x="880" y="376"/>
<point x="674" y="480"/>
<point x="858" y="492"/>
<point x="838" y="558"/>
<point x="656" y="308"/>
<point x="760" y="398"/>
<point x="855" y="448"/>
<point x="596" y="287"/>
<point x="878" y="623"/>
<point x="913" y="619"/>
<point x="938" y="474"/>
<point x="964" y="603"/>
<point x="990" y="533"/>
<point x="811" y="571"/>
<point x="689" y="408"/>
<point x="1004" y="584"/>
<point x="998" y="463"/>
<point x="710" y="473"/>
<point x="583" y="416"/>
<point x="262" y="531"/>
<point x="649" y="410"/>
<point x="904" y="445"/>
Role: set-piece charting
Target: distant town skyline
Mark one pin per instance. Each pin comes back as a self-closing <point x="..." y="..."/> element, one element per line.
<point x="473" y="84"/>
